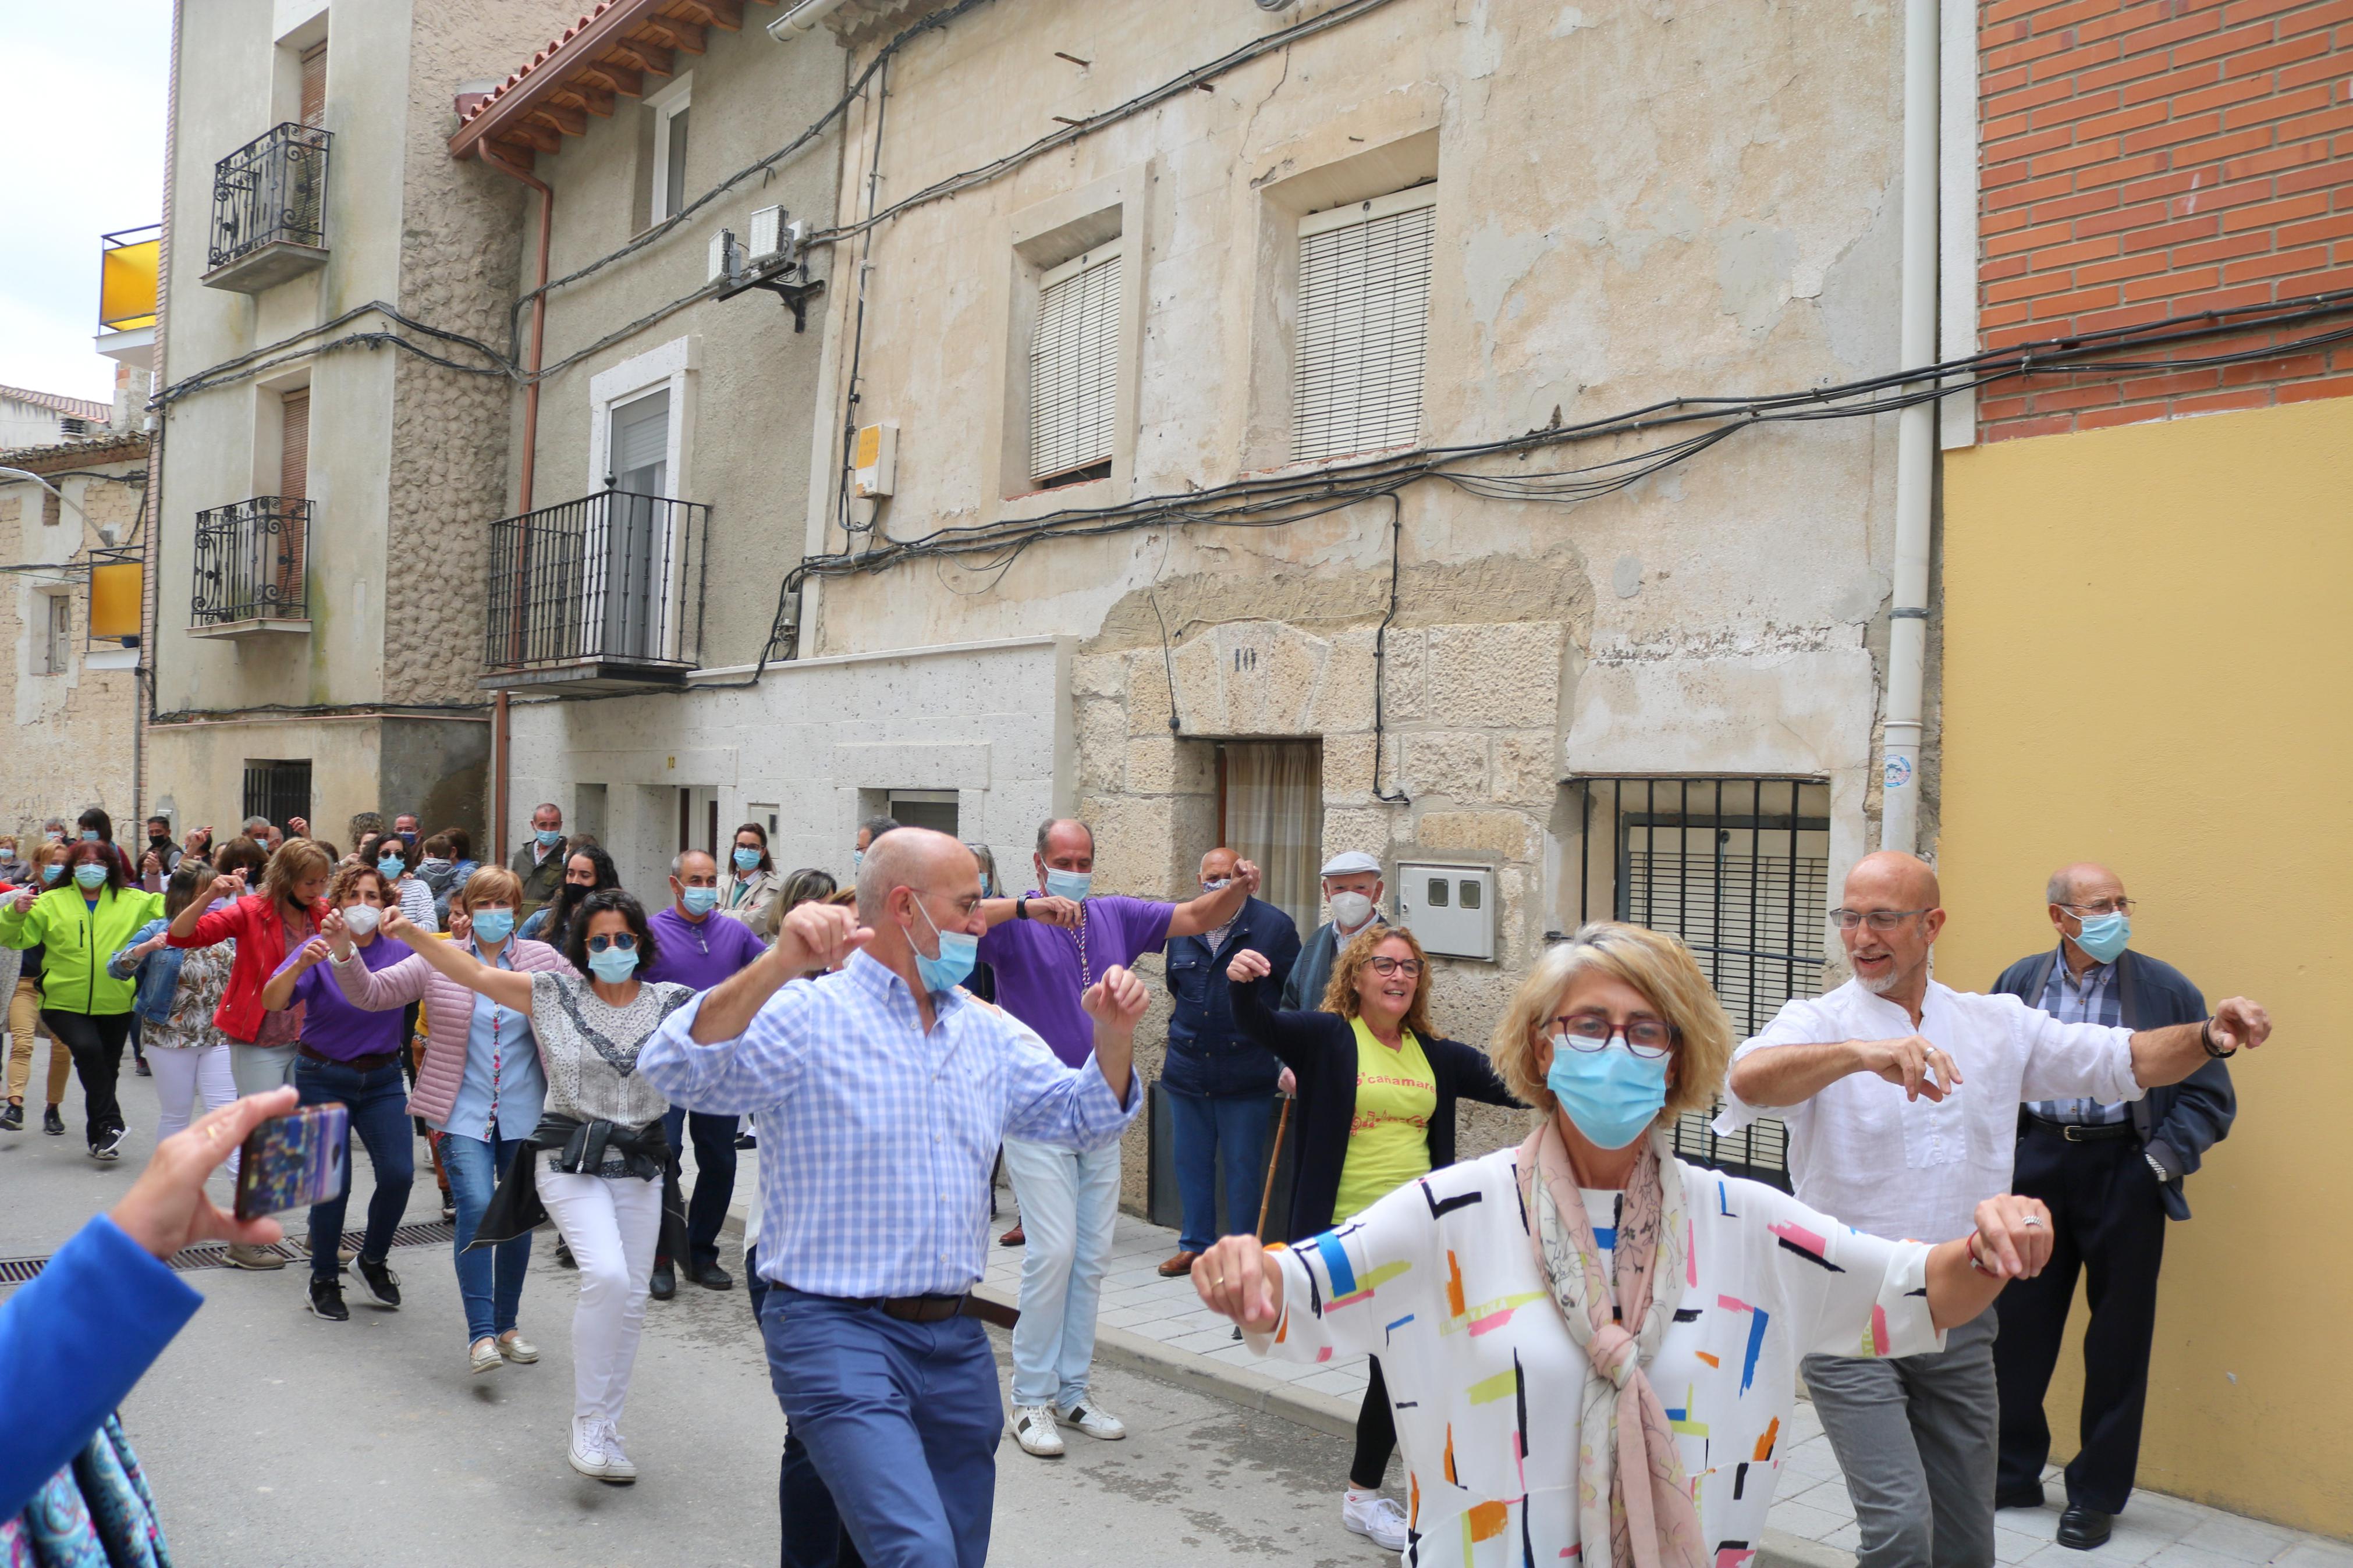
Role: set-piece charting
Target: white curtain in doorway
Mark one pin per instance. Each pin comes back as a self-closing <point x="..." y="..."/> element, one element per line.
<point x="1274" y="816"/>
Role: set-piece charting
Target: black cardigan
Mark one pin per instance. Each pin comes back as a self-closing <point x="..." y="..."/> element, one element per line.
<point x="1320" y="1049"/>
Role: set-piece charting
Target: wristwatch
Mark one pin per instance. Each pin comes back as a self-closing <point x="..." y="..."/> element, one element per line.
<point x="1021" y="909"/>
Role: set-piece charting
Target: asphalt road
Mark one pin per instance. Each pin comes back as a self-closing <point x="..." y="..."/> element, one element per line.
<point x="273" y="1438"/>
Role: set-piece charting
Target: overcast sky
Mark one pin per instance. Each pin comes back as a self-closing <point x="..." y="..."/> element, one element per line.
<point x="81" y="154"/>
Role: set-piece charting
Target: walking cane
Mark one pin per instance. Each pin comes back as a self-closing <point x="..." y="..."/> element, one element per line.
<point x="1266" y="1192"/>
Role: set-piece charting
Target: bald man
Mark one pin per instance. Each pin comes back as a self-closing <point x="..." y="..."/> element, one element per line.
<point x="2111" y="1173"/>
<point x="1902" y="1100"/>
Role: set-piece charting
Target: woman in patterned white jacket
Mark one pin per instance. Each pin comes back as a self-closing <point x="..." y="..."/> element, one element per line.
<point x="1586" y="1339"/>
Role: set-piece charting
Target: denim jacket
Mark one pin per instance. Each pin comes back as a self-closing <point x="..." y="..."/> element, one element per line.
<point x="1208" y="1055"/>
<point x="158" y="973"/>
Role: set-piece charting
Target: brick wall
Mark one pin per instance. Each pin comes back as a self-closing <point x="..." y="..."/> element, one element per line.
<point x="2148" y="160"/>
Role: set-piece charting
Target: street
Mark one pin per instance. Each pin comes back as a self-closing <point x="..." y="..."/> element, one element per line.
<point x="270" y="1436"/>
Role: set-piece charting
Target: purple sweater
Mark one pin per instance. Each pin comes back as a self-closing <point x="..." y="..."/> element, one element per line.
<point x="332" y="1025"/>
<point x="702" y="952"/>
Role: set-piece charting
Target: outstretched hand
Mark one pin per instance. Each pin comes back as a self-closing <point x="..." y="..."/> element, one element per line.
<point x="1249" y="964"/>
<point x="167" y="1209"/>
<point x="1116" y="1001"/>
<point x="1923" y="1069"/>
<point x="1233" y="1279"/>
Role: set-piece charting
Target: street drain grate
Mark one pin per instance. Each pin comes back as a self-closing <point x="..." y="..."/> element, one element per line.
<point x="214" y="1255"/>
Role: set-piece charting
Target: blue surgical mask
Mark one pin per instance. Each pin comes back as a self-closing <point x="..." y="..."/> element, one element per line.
<point x="88" y="875"/>
<point x="614" y="964"/>
<point x="493" y="926"/>
<point x="1071" y="885"/>
<point x="52" y="871"/>
<point x="1611" y="1094"/>
<point x="699" y="901"/>
<point x="857" y="858"/>
<point x="89" y="834"/>
<point x="958" y="952"/>
<point x="2105" y="936"/>
<point x="392" y="867"/>
<point x="1218" y="886"/>
<point x="549" y="837"/>
<point x="746" y="859"/>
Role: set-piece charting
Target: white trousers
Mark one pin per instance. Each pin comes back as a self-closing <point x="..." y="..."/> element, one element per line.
<point x="182" y="1072"/>
<point x="612" y="1226"/>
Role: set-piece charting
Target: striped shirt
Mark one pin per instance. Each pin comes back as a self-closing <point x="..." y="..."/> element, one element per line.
<point x="2091" y="1000"/>
<point x="876" y="1138"/>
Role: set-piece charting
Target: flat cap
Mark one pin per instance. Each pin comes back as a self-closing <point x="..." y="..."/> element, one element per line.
<point x="1348" y="864"/>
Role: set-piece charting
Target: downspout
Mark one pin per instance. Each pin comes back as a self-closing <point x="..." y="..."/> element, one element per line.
<point x="501" y="726"/>
<point x="1915" y="439"/>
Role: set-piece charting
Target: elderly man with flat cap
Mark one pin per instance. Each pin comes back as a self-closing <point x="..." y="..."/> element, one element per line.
<point x="2111" y="1173"/>
<point x="1902" y="1097"/>
<point x="1352" y="889"/>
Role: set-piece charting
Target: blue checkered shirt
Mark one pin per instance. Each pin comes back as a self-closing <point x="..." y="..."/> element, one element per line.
<point x="2092" y="1000"/>
<point x="876" y="1139"/>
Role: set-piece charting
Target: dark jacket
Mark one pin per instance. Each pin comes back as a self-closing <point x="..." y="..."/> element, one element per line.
<point x="1320" y="1049"/>
<point x="539" y="878"/>
<point x="1208" y="1055"/>
<point x="2181" y="1120"/>
<point x="1303" y="992"/>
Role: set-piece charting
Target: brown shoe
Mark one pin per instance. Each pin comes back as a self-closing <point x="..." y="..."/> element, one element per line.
<point x="1178" y="1265"/>
<point x="1012" y="1238"/>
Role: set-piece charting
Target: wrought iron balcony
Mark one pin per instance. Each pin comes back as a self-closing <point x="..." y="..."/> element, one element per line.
<point x="603" y="594"/>
<point x="269" y="210"/>
<point x="250" y="569"/>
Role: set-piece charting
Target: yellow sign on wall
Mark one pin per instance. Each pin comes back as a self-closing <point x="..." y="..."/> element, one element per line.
<point x="114" y="594"/>
<point x="126" y="281"/>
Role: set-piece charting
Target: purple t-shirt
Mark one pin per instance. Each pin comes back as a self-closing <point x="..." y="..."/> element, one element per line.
<point x="702" y="952"/>
<point x="1039" y="977"/>
<point x="332" y="1026"/>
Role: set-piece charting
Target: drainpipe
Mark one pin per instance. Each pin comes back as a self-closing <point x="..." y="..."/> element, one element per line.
<point x="503" y="726"/>
<point x="1916" y="440"/>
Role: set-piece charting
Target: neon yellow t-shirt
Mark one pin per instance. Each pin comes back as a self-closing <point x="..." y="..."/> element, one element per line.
<point x="1389" y="1140"/>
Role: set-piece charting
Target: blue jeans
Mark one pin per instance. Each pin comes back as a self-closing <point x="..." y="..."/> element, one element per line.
<point x="490" y="1282"/>
<point x="1230" y="1130"/>
<point x="899" y="1419"/>
<point x="813" y="1536"/>
<point x="378" y="1101"/>
<point x="1070" y="1203"/>
<point x="714" y="1178"/>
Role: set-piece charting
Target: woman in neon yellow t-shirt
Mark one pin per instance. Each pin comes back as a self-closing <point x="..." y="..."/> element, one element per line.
<point x="1376" y="1095"/>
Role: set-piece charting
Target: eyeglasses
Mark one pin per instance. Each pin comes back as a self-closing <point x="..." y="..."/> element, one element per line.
<point x="2102" y="907"/>
<point x="1409" y="967"/>
<point x="1878" y="919"/>
<point x="1649" y="1038"/>
<point x="626" y="942"/>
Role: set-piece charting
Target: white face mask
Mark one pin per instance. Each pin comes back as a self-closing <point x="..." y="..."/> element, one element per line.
<point x="1350" y="911"/>
<point x="362" y="918"/>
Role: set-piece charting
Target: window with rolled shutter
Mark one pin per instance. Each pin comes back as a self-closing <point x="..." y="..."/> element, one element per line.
<point x="1364" y="308"/>
<point x="284" y="548"/>
<point x="294" y="445"/>
<point x="314" y="85"/>
<point x="1074" y="368"/>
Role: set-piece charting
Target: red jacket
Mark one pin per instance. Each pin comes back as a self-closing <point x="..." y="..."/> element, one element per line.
<point x="260" y="933"/>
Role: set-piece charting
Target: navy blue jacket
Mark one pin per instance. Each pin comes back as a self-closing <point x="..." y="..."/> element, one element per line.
<point x="2181" y="1120"/>
<point x="1208" y="1053"/>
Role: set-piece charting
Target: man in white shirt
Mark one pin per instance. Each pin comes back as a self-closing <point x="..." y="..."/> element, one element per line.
<point x="1901" y="1097"/>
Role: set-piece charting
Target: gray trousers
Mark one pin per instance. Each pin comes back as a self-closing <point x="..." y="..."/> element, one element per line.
<point x="1917" y="1437"/>
<point x="257" y="1069"/>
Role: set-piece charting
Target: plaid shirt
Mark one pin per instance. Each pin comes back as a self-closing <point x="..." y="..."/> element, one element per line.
<point x="2094" y="1000"/>
<point x="876" y="1139"/>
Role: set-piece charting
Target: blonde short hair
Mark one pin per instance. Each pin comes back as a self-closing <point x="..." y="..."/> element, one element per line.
<point x="1654" y="963"/>
<point x="491" y="884"/>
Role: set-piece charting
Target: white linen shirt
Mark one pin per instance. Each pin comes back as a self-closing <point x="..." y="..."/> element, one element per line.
<point x="1917" y="1170"/>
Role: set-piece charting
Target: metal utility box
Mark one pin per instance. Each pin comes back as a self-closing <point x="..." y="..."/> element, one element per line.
<point x="1450" y="908"/>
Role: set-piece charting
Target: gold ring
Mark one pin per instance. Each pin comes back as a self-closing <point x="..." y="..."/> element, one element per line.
<point x="212" y="1131"/>
<point x="1217" y="1281"/>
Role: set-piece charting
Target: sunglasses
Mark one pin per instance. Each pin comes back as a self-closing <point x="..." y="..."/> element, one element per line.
<point x="626" y="942"/>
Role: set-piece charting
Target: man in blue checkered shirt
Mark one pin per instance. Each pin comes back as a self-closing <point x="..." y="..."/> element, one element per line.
<point x="884" y="1091"/>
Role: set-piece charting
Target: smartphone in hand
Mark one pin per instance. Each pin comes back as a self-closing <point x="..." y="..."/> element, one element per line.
<point x="293" y="1162"/>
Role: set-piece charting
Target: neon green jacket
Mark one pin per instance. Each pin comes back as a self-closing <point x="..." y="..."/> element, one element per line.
<point x="77" y="940"/>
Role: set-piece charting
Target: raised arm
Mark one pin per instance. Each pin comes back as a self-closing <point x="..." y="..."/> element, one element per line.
<point x="506" y="987"/>
<point x="2165" y="1056"/>
<point x="1774" y="1076"/>
<point x="279" y="994"/>
<point x="1294" y="1037"/>
<point x="1211" y="911"/>
<point x="382" y="990"/>
<point x="812" y="938"/>
<point x="196" y="926"/>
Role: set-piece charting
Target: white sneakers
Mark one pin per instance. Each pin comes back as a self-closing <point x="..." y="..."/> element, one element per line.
<point x="1376" y="1518"/>
<point x="482" y="1356"/>
<point x="1033" y="1428"/>
<point x="1094" y="1421"/>
<point x="597" y="1451"/>
<point x="516" y="1349"/>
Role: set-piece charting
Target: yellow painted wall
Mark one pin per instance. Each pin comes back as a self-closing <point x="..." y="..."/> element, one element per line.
<point x="2148" y="662"/>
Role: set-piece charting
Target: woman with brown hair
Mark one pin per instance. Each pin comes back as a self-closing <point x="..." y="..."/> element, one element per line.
<point x="1376" y="1090"/>
<point x="25" y="1012"/>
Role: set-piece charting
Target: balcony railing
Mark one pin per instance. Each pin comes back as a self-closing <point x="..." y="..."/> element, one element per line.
<point x="602" y="593"/>
<point x="250" y="560"/>
<point x="269" y="210"/>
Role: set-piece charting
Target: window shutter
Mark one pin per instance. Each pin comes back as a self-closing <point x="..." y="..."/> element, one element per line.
<point x="294" y="447"/>
<point x="1074" y="365"/>
<point x="640" y="455"/>
<point x="314" y="85"/>
<point x="1363" y="307"/>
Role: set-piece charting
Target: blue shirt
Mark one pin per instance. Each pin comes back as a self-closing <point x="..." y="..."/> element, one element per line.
<point x="2092" y="1000"/>
<point x="877" y="1139"/>
<point x="502" y="1068"/>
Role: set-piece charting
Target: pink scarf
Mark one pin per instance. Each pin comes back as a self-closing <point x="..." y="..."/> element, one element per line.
<point x="1623" y="1429"/>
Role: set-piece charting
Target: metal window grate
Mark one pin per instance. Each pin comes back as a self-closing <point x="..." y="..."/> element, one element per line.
<point x="1738" y="869"/>
<point x="614" y="577"/>
<point x="214" y="1255"/>
<point x="279" y="791"/>
<point x="250" y="562"/>
<point x="273" y="189"/>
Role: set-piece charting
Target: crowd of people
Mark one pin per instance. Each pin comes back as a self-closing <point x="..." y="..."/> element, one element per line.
<point x="1577" y="1339"/>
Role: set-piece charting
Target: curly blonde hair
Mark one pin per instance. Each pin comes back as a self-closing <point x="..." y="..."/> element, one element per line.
<point x="1654" y="963"/>
<point x="1340" y="996"/>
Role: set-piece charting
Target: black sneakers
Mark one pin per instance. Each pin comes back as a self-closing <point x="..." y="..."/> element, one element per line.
<point x="12" y="1117"/>
<point x="664" y="1283"/>
<point x="327" y="1301"/>
<point x="52" y="1123"/>
<point x="381" y="1283"/>
<point x="109" y="1144"/>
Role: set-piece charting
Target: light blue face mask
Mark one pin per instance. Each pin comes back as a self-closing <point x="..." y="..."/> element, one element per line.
<point x="392" y="868"/>
<point x="1611" y="1094"/>
<point x="89" y="834"/>
<point x="493" y="926"/>
<point x="857" y="858"/>
<point x="549" y="837"/>
<point x="958" y="952"/>
<point x="88" y="875"/>
<point x="52" y="871"/>
<point x="1071" y="885"/>
<point x="746" y="859"/>
<point x="699" y="901"/>
<point x="614" y="964"/>
<point x="2105" y="936"/>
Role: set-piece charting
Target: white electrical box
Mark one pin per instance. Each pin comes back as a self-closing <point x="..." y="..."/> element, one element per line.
<point x="875" y="461"/>
<point x="1449" y="909"/>
<point x="722" y="243"/>
<point x="767" y="235"/>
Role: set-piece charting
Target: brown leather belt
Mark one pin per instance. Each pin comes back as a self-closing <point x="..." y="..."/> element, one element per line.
<point x="376" y="1063"/>
<point x="2078" y="1131"/>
